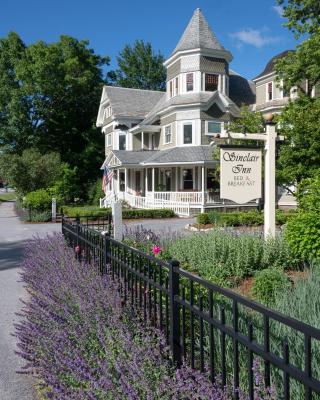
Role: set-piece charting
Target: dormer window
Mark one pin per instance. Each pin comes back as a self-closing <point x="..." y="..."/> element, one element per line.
<point x="189" y="81"/>
<point x="211" y="82"/>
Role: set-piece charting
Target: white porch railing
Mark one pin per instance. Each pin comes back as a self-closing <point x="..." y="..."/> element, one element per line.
<point x="179" y="207"/>
<point x="187" y="197"/>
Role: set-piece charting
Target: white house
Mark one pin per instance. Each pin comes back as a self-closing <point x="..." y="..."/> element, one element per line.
<point x="159" y="144"/>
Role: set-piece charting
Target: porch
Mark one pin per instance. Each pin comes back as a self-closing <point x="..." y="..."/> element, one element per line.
<point x="186" y="189"/>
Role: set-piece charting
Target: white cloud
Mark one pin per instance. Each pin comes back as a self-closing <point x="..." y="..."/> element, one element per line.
<point x="278" y="10"/>
<point x="255" y="37"/>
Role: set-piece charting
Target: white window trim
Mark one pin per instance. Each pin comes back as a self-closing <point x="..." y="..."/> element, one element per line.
<point x="193" y="80"/>
<point x="182" y="133"/>
<point x="164" y="134"/>
<point x="122" y="133"/>
<point x="217" y="122"/>
<point x="267" y="93"/>
<point x="109" y="139"/>
<point x="193" y="177"/>
<point x="204" y="81"/>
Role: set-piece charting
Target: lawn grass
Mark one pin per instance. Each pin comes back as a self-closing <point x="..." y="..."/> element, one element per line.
<point x="9" y="196"/>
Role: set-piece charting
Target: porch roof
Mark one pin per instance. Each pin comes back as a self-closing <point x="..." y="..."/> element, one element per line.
<point x="173" y="156"/>
<point x="185" y="154"/>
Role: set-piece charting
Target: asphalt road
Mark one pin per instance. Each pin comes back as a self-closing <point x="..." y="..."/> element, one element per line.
<point x="13" y="235"/>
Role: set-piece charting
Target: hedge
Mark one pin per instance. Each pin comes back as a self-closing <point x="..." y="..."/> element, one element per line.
<point x="240" y="218"/>
<point x="96" y="212"/>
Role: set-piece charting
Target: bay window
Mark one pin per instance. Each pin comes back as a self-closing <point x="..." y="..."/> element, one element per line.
<point x="211" y="82"/>
<point x="122" y="141"/>
<point x="189" y="81"/>
<point x="187" y="133"/>
<point x="167" y="134"/>
<point x="213" y="127"/>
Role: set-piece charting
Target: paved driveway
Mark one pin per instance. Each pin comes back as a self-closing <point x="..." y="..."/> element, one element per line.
<point x="13" y="235"/>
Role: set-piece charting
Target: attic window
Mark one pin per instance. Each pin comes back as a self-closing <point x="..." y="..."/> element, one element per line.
<point x="211" y="82"/>
<point x="189" y="79"/>
<point x="107" y="112"/>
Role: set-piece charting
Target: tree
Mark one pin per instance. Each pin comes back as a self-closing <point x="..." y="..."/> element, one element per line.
<point x="303" y="15"/>
<point x="49" y="96"/>
<point x="31" y="171"/>
<point x="248" y="121"/>
<point x="301" y="65"/>
<point x="300" y="120"/>
<point x="299" y="156"/>
<point x="139" y="67"/>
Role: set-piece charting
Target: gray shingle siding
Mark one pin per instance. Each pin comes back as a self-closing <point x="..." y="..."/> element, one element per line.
<point x="174" y="70"/>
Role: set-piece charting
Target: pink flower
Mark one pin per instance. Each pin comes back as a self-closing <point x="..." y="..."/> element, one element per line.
<point x="156" y="250"/>
<point x="77" y="249"/>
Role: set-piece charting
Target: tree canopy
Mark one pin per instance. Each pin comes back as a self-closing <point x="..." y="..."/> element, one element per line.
<point x="303" y="15"/>
<point x="49" y="95"/>
<point x="139" y="67"/>
<point x="32" y="170"/>
<point x="299" y="156"/>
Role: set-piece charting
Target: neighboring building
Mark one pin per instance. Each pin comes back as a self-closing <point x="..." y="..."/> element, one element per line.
<point x="270" y="94"/>
<point x="158" y="144"/>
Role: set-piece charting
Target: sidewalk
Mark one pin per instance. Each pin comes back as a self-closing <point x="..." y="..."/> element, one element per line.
<point x="13" y="235"/>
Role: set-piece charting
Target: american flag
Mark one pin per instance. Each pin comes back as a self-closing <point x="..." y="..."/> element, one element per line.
<point x="107" y="176"/>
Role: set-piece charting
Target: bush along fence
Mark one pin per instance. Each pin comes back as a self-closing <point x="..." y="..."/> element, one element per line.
<point x="213" y="329"/>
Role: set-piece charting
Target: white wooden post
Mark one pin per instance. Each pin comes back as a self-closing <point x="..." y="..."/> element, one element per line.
<point x="142" y="140"/>
<point x="125" y="181"/>
<point x="270" y="138"/>
<point x="145" y="182"/>
<point x="54" y="210"/>
<point x="153" y="182"/>
<point x="270" y="181"/>
<point x="117" y="220"/>
<point x="202" y="188"/>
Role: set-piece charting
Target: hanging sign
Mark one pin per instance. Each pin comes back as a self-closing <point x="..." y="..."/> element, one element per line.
<point x="240" y="174"/>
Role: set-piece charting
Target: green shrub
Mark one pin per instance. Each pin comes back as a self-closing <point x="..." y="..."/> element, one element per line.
<point x="39" y="200"/>
<point x="95" y="192"/>
<point x="94" y="211"/>
<point x="203" y="218"/>
<point x="283" y="217"/>
<point x="226" y="258"/>
<point x="39" y="216"/>
<point x="251" y="218"/>
<point x="267" y="283"/>
<point x="303" y="234"/>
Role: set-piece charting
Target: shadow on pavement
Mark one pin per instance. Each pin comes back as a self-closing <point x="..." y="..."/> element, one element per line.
<point x="11" y="254"/>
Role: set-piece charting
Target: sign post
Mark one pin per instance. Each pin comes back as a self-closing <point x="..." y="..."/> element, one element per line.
<point x="269" y="137"/>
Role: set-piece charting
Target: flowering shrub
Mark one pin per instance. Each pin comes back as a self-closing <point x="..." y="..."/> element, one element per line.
<point x="81" y="342"/>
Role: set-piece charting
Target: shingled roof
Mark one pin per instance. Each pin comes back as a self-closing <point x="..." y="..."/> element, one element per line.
<point x="127" y="102"/>
<point x="198" y="34"/>
<point x="270" y="67"/>
<point x="186" y="154"/>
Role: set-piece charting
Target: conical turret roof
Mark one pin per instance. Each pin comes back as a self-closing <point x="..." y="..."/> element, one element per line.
<point x="198" y="34"/>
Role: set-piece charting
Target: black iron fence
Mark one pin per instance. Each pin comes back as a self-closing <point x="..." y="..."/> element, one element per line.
<point x="214" y="329"/>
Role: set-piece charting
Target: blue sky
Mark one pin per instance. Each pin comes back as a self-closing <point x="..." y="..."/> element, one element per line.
<point x="251" y="29"/>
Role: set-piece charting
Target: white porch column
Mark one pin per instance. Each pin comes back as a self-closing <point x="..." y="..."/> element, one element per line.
<point x="125" y="181"/>
<point x="153" y="182"/>
<point x="202" y="187"/>
<point x="145" y="181"/>
<point x="270" y="181"/>
<point x="142" y="140"/>
<point x="177" y="179"/>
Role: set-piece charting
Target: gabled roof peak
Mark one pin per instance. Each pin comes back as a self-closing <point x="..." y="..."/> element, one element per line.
<point x="198" y="34"/>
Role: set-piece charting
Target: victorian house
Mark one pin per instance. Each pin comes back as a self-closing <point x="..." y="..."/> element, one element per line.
<point x="159" y="145"/>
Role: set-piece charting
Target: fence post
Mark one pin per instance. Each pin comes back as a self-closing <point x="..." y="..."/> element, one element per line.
<point x="174" y="313"/>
